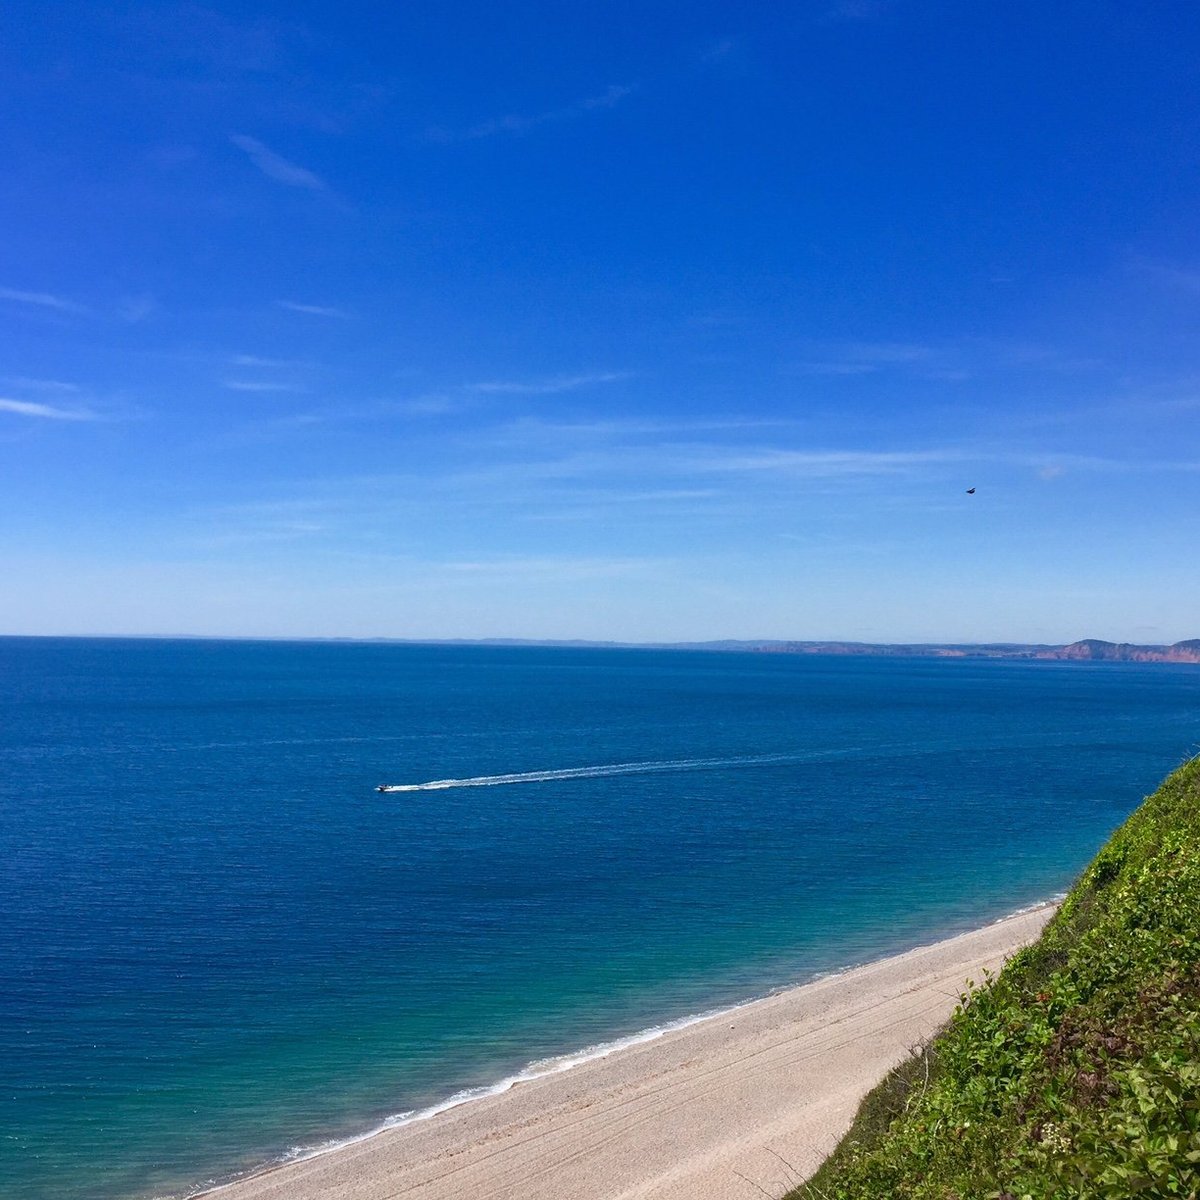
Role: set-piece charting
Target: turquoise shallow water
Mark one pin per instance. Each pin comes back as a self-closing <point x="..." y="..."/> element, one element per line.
<point x="220" y="943"/>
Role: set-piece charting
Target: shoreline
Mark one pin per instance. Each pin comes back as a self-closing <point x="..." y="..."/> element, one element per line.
<point x="571" y="1120"/>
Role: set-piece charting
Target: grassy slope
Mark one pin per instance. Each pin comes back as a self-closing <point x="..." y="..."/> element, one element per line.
<point x="1076" y="1071"/>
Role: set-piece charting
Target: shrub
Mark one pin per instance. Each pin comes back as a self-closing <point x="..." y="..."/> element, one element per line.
<point x="1076" y="1071"/>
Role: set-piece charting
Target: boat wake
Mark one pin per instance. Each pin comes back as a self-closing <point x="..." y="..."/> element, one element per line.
<point x="599" y="772"/>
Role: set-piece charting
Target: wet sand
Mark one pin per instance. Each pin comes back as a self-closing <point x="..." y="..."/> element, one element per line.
<point x="746" y="1102"/>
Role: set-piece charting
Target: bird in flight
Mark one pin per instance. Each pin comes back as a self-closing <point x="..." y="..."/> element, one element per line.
<point x="970" y="491"/>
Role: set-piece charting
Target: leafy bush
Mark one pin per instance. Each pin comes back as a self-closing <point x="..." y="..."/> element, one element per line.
<point x="1076" y="1071"/>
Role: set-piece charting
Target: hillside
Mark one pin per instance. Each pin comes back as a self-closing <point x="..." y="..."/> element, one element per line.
<point x="1088" y="649"/>
<point x="1074" y="1073"/>
<point x="1091" y="648"/>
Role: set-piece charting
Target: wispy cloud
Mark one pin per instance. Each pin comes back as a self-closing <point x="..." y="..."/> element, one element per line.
<point x="131" y="309"/>
<point x="314" y="310"/>
<point x="516" y="124"/>
<point x="135" y="309"/>
<point x="263" y="521"/>
<point x="49" y="412"/>
<point x="583" y="503"/>
<point x="275" y="166"/>
<point x="866" y="358"/>
<point x="1184" y="278"/>
<point x="25" y="384"/>
<point x="827" y="463"/>
<point x="1053" y="466"/>
<point x="654" y="495"/>
<point x="280" y="531"/>
<point x="831" y="367"/>
<point x="547" y="387"/>
<point x="703" y="464"/>
<point x="552" y="567"/>
<point x="259" y="385"/>
<point x="530" y="431"/>
<point x="254" y="360"/>
<point x="40" y="300"/>
<point x="890" y="352"/>
<point x="433" y="404"/>
<point x="954" y="361"/>
<point x="1043" y="358"/>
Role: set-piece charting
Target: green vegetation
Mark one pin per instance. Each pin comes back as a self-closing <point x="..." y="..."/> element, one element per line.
<point x="1076" y="1071"/>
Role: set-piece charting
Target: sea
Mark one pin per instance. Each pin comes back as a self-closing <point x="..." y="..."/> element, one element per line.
<point x="221" y="946"/>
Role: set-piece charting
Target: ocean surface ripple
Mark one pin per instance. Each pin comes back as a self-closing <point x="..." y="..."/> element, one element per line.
<point x="222" y="946"/>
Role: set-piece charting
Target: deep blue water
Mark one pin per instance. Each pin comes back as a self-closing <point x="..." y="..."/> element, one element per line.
<point x="219" y="942"/>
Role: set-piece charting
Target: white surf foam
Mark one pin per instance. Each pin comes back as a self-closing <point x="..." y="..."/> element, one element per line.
<point x="1056" y="899"/>
<point x="566" y="1062"/>
<point x="539" y="1069"/>
<point x="598" y="772"/>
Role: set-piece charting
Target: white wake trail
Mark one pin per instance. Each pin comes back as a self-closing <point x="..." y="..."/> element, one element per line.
<point x="598" y="772"/>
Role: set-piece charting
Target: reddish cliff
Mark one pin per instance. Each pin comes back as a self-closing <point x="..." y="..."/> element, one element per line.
<point x="1094" y="650"/>
<point x="1087" y="650"/>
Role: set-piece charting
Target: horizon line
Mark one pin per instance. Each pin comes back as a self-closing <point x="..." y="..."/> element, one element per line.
<point x="583" y="643"/>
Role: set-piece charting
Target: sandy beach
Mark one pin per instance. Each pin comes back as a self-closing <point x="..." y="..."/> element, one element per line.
<point x="728" y="1108"/>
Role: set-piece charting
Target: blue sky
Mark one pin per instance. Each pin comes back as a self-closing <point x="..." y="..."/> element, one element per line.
<point x="654" y="321"/>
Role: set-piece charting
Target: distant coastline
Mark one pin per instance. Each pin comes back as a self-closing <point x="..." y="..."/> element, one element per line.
<point x="1084" y="650"/>
<point x="1087" y="650"/>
